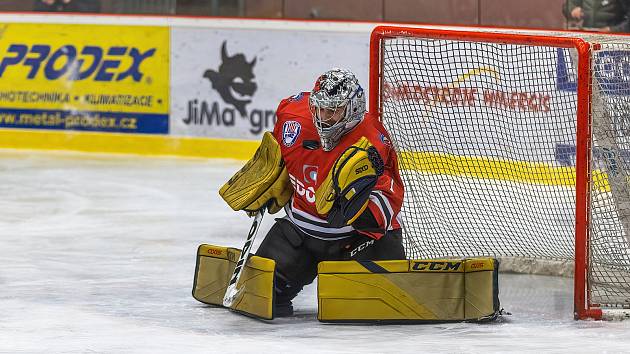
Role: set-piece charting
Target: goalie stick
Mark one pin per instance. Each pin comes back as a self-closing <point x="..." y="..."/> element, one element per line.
<point x="232" y="291"/>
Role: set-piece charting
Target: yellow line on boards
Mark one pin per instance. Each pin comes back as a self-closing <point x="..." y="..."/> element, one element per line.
<point x="497" y="169"/>
<point x="483" y="167"/>
<point x="154" y="145"/>
<point x="161" y="145"/>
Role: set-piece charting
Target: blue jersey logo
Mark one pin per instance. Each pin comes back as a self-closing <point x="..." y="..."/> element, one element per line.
<point x="290" y="132"/>
<point x="296" y="97"/>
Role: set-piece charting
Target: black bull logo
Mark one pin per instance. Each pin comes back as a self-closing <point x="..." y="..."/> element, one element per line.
<point x="235" y="75"/>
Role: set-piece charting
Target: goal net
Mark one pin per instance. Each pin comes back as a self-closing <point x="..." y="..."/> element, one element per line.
<point x="513" y="145"/>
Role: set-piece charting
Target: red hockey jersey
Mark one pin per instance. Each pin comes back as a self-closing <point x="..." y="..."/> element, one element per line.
<point x="308" y="165"/>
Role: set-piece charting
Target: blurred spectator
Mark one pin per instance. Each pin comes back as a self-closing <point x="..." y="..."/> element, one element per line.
<point x="598" y="15"/>
<point x="67" y="5"/>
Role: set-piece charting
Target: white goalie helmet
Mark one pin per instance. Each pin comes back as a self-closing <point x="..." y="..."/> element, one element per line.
<point x="337" y="104"/>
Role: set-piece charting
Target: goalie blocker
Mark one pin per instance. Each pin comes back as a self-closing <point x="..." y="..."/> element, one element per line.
<point x="407" y="291"/>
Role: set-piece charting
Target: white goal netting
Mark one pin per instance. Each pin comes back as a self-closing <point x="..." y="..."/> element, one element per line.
<point x="486" y="137"/>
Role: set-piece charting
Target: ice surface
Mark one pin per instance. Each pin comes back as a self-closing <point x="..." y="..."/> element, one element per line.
<point x="97" y="255"/>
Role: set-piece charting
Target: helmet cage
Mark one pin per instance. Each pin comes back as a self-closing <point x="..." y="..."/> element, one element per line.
<point x="336" y="90"/>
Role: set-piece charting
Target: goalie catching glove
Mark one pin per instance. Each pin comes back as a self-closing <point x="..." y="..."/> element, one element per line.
<point x="345" y="192"/>
<point x="263" y="181"/>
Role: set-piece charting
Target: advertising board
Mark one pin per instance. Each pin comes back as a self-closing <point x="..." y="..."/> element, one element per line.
<point x="84" y="77"/>
<point x="227" y="83"/>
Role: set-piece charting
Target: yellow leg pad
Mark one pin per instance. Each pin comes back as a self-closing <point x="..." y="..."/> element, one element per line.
<point x="407" y="291"/>
<point x="214" y="268"/>
<point x="482" y="289"/>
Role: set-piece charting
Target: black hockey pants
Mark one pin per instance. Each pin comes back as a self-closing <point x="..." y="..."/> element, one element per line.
<point x="297" y="254"/>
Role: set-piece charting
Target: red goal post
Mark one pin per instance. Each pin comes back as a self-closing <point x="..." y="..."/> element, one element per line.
<point x="405" y="61"/>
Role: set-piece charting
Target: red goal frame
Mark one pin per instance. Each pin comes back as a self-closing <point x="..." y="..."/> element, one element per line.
<point x="583" y="308"/>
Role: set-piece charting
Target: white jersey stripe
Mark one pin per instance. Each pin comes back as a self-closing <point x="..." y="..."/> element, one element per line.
<point x="316" y="227"/>
<point x="384" y="206"/>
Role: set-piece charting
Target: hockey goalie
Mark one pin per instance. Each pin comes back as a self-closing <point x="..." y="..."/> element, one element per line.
<point x="333" y="170"/>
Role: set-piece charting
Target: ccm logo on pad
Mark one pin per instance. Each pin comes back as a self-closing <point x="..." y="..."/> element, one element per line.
<point x="436" y="266"/>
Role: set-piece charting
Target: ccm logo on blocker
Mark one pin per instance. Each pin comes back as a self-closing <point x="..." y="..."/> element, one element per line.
<point x="93" y="61"/>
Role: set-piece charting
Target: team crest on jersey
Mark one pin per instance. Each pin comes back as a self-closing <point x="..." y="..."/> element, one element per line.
<point x="296" y="97"/>
<point x="310" y="174"/>
<point x="290" y="132"/>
